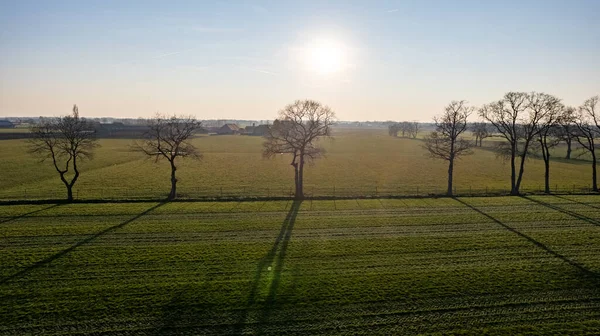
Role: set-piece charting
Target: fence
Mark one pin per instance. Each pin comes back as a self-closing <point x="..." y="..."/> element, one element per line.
<point x="254" y="192"/>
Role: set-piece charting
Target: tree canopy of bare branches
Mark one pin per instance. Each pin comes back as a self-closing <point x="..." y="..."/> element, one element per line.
<point x="65" y="141"/>
<point x="446" y="142"/>
<point x="552" y="109"/>
<point x="516" y="117"/>
<point x="168" y="138"/>
<point x="587" y="121"/>
<point x="296" y="131"/>
<point x="481" y="131"/>
<point x="407" y="129"/>
<point x="566" y="129"/>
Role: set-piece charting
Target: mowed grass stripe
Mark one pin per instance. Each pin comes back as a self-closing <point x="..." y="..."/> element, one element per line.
<point x="355" y="266"/>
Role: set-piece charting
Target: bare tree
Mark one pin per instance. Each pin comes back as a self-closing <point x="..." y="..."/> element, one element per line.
<point x="551" y="108"/>
<point x="297" y="131"/>
<point x="413" y="129"/>
<point x="566" y="129"/>
<point x="587" y="121"/>
<point x="64" y="140"/>
<point x="481" y="131"/>
<point x="393" y="129"/>
<point x="446" y="142"/>
<point x="518" y="123"/>
<point x="168" y="138"/>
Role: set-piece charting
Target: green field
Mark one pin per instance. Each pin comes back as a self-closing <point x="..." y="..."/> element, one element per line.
<point x="358" y="162"/>
<point x="501" y="265"/>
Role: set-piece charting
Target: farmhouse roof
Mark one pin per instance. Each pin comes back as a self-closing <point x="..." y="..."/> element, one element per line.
<point x="232" y="127"/>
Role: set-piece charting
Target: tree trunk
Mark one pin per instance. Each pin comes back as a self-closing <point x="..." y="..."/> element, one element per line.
<point x="594" y="173"/>
<point x="568" y="141"/>
<point x="513" y="190"/>
<point x="173" y="193"/>
<point x="450" y="173"/>
<point x="520" y="176"/>
<point x="69" y="193"/>
<point x="68" y="186"/>
<point x="521" y="169"/>
<point x="300" y="185"/>
<point x="73" y="180"/>
<point x="546" y="157"/>
<point x="547" y="176"/>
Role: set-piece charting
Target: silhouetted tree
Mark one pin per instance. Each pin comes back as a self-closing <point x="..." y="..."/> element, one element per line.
<point x="446" y="142"/>
<point x="566" y="129"/>
<point x="393" y="129"/>
<point x="413" y="129"/>
<point x="296" y="131"/>
<point x="168" y="138"/>
<point x="551" y="108"/>
<point x="587" y="120"/>
<point x="64" y="140"/>
<point x="480" y="131"/>
<point x="518" y="123"/>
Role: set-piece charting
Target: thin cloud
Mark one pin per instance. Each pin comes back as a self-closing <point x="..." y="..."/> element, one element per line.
<point x="168" y="54"/>
<point x="392" y="10"/>
<point x="262" y="71"/>
<point x="203" y="29"/>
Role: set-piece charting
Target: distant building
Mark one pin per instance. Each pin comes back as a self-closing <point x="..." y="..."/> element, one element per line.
<point x="6" y="124"/>
<point x="229" y="129"/>
<point x="260" y="130"/>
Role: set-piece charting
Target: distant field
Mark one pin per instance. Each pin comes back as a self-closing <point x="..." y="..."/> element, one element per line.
<point x="14" y="130"/>
<point x="358" y="162"/>
<point x="441" y="266"/>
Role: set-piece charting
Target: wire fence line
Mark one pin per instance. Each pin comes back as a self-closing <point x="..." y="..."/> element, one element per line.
<point x="251" y="192"/>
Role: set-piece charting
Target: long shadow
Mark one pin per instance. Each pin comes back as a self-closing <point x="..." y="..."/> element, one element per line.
<point x="27" y="214"/>
<point x="53" y="257"/>
<point x="578" y="202"/>
<point x="271" y="263"/>
<point x="575" y="264"/>
<point x="565" y="211"/>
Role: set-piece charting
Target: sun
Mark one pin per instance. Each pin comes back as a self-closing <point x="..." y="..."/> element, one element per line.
<point x="325" y="57"/>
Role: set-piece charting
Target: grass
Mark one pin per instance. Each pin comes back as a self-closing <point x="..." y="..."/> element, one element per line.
<point x="358" y="162"/>
<point x="503" y="265"/>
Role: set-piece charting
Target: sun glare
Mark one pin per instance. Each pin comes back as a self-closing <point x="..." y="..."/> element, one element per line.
<point x="325" y="57"/>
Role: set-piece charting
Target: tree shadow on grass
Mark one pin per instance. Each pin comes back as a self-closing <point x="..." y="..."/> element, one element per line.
<point x="6" y="220"/>
<point x="584" y="270"/>
<point x="578" y="202"/>
<point x="89" y="239"/>
<point x="268" y="270"/>
<point x="565" y="211"/>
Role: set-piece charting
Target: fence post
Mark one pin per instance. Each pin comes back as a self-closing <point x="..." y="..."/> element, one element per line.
<point x="221" y="190"/>
<point x="268" y="192"/>
<point x="486" y="190"/>
<point x="417" y="190"/>
<point x="376" y="192"/>
<point x="334" y="190"/>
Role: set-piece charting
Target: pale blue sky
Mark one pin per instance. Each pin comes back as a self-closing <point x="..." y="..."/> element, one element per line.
<point x="398" y="60"/>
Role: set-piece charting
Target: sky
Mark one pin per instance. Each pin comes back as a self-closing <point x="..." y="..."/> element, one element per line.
<point x="367" y="60"/>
